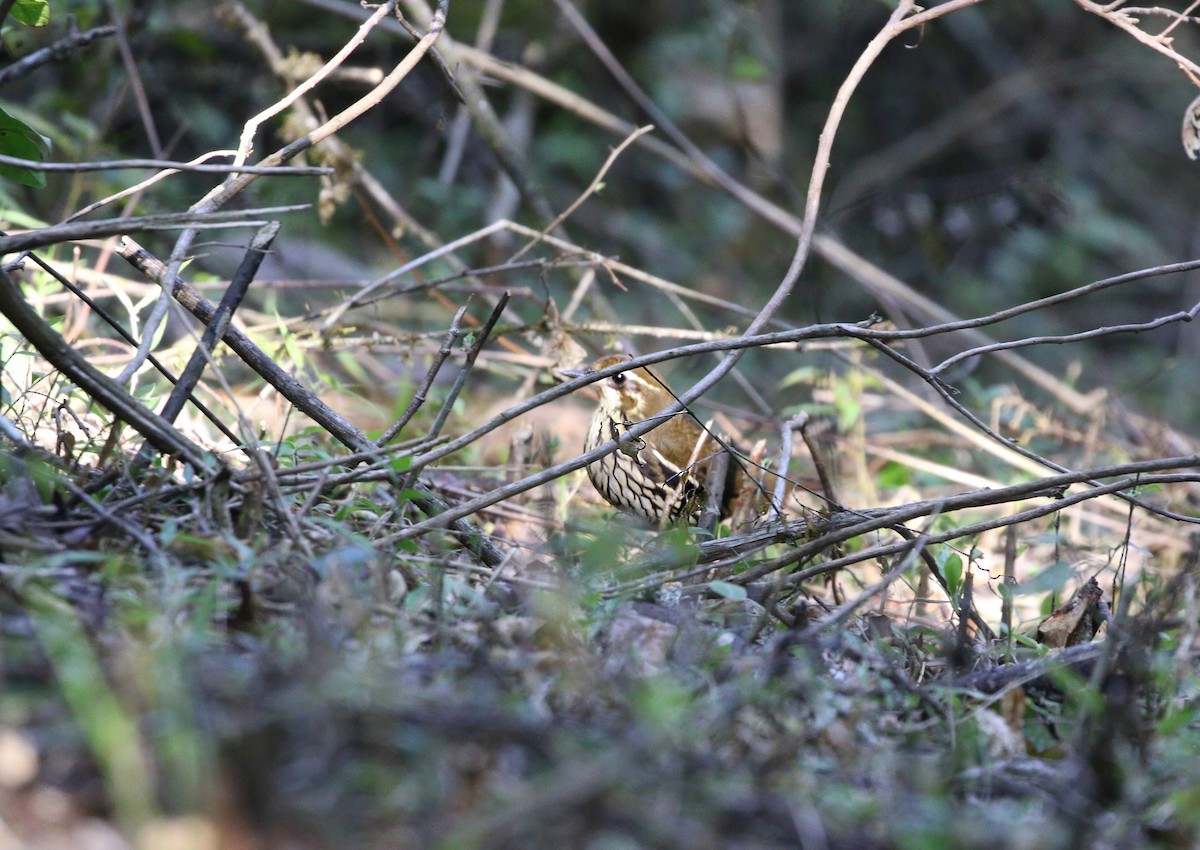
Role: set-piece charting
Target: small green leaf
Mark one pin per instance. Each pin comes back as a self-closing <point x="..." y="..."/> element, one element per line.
<point x="952" y="570"/>
<point x="1052" y="577"/>
<point x="748" y="68"/>
<point x="20" y="140"/>
<point x="728" y="589"/>
<point x="893" y="476"/>
<point x="848" y="404"/>
<point x="401" y="464"/>
<point x="33" y="13"/>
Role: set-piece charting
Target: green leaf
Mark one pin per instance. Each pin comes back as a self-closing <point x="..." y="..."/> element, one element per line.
<point x="728" y="589"/>
<point x="748" y="68"/>
<point x="33" y="13"/>
<point x="802" y="375"/>
<point x="848" y="404"/>
<point x="401" y="464"/>
<point x="20" y="140"/>
<point x="952" y="570"/>
<point x="1052" y="577"/>
<point x="893" y="476"/>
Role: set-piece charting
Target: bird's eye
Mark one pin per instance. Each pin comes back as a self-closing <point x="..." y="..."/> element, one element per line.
<point x="618" y="379"/>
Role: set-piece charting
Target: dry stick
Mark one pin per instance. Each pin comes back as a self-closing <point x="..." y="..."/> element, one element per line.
<point x="830" y="249"/>
<point x="429" y="504"/>
<point x="169" y="165"/>
<point x="336" y="150"/>
<point x="360" y="296"/>
<point x="942" y="390"/>
<point x="304" y="399"/>
<point x="103" y="389"/>
<point x="119" y="329"/>
<point x="449" y="78"/>
<point x="714" y="486"/>
<point x="1061" y="339"/>
<point x="246" y="143"/>
<point x="1010" y="583"/>
<point x="195" y="164"/>
<point x="72" y="231"/>
<point x="11" y="433"/>
<point x="472" y="354"/>
<point x="1060" y="503"/>
<point x="847" y="524"/>
<point x="460" y="128"/>
<point x="817" y="454"/>
<point x="239" y="285"/>
<point x="1122" y="20"/>
<point x="235" y="184"/>
<point x="64" y="48"/>
<point x="918" y="545"/>
<point x="994" y="679"/>
<point x="1147" y="11"/>
<point x="434" y="282"/>
<point x="797" y="422"/>
<point x="134" y="79"/>
<point x="430" y="375"/>
<point x="592" y="188"/>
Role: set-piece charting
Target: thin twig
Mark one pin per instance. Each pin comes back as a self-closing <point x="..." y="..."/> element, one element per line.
<point x="103" y="389"/>
<point x="64" y="48"/>
<point x="246" y="142"/>
<point x="304" y="399"/>
<point x="194" y="165"/>
<point x="472" y="353"/>
<point x="120" y="330"/>
<point x="435" y="366"/>
<point x="592" y="188"/>
<point x="73" y="231"/>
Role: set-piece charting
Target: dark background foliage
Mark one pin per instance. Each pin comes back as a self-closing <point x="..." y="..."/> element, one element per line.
<point x="1009" y="152"/>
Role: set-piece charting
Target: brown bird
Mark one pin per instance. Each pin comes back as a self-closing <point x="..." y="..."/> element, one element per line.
<point x="660" y="477"/>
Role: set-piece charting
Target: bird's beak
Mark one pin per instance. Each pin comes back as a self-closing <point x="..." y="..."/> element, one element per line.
<point x="571" y="374"/>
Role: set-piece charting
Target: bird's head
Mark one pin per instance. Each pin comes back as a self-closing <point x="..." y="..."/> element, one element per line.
<point x="630" y="396"/>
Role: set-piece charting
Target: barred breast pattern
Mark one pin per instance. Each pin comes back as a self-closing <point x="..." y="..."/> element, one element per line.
<point x="661" y="476"/>
<point x="649" y="485"/>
